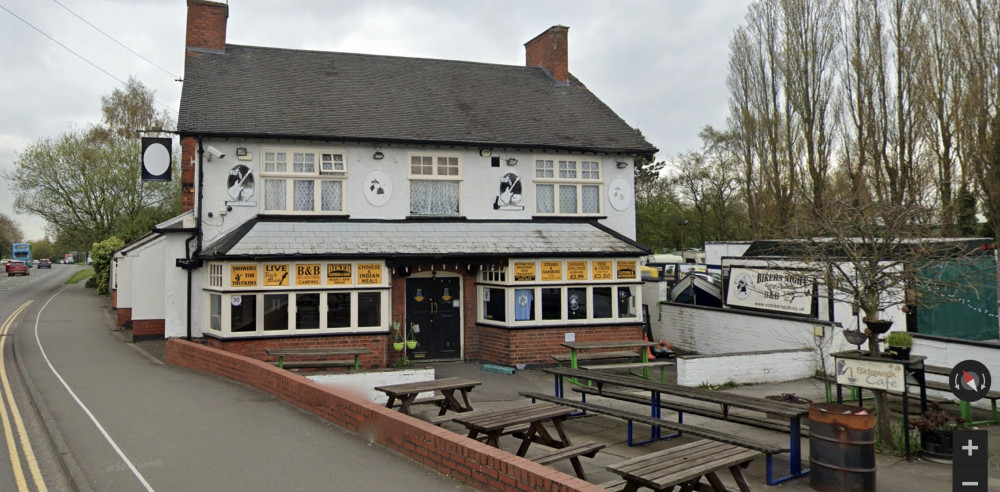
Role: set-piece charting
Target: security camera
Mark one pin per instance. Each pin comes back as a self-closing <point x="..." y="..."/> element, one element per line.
<point x="214" y="152"/>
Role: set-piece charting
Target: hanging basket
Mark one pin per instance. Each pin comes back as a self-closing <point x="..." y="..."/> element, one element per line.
<point x="878" y="326"/>
<point x="855" y="337"/>
<point x="411" y="344"/>
<point x="398" y="346"/>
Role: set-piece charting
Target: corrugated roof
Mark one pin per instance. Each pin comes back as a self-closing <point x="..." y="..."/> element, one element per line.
<point x="260" y="92"/>
<point x="438" y="239"/>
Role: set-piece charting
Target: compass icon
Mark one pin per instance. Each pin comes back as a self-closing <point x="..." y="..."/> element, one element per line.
<point x="970" y="380"/>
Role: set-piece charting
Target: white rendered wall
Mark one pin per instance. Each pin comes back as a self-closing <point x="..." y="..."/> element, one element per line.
<point x="746" y="367"/>
<point x="174" y="287"/>
<point x="147" y="280"/>
<point x="124" y="270"/>
<point x="364" y="383"/>
<point x="945" y="353"/>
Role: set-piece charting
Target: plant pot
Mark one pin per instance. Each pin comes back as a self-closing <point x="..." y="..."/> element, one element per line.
<point x="398" y="346"/>
<point x="411" y="344"/>
<point x="855" y="337"/>
<point x="900" y="353"/>
<point x="936" y="444"/>
<point x="878" y="326"/>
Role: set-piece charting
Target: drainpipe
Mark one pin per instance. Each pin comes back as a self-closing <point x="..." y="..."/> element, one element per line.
<point x="196" y="235"/>
<point x="187" y="253"/>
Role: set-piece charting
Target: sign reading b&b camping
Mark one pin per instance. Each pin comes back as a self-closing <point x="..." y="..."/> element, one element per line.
<point x="782" y="291"/>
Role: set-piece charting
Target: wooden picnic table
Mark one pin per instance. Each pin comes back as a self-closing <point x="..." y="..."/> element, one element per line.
<point x="406" y="393"/>
<point x="686" y="465"/>
<point x="792" y="411"/>
<point x="495" y="423"/>
<point x="357" y="352"/>
<point x="642" y="345"/>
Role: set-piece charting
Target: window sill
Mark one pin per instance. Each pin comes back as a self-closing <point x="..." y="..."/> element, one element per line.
<point x="283" y="334"/>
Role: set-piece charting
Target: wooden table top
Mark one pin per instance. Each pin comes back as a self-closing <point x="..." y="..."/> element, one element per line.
<point x="784" y="409"/>
<point x="679" y="464"/>
<point x="608" y="345"/>
<point x="442" y="384"/>
<point x="492" y="420"/>
<point x="318" y="351"/>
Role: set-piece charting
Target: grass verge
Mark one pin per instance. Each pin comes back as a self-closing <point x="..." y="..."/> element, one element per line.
<point x="81" y="275"/>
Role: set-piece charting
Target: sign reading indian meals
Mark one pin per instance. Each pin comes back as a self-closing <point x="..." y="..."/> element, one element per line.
<point x="369" y="273"/>
<point x="551" y="270"/>
<point x="276" y="275"/>
<point x="243" y="275"/>
<point x="602" y="269"/>
<point x="307" y="275"/>
<point x="770" y="290"/>
<point x="576" y="270"/>
<point x="524" y="271"/>
<point x="338" y="274"/>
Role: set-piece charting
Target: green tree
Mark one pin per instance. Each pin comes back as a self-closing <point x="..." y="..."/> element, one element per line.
<point x="100" y="254"/>
<point x="43" y="249"/>
<point x="86" y="183"/>
<point x="10" y="233"/>
<point x="656" y="207"/>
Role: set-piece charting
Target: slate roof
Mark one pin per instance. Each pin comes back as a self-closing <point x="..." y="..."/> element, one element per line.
<point x="394" y="239"/>
<point x="247" y="91"/>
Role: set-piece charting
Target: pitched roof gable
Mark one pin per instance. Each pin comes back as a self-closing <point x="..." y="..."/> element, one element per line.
<point x="269" y="92"/>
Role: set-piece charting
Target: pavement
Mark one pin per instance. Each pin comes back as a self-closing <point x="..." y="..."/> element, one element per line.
<point x="894" y="473"/>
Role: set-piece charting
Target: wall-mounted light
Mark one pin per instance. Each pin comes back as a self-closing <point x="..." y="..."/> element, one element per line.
<point x="511" y="161"/>
<point x="378" y="156"/>
<point x="485" y="152"/>
<point x="621" y="164"/>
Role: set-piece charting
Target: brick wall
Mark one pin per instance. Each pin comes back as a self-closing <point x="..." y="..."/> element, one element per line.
<point x="147" y="329"/>
<point x="533" y="346"/>
<point x="124" y="316"/>
<point x="114" y="298"/>
<point x="469" y="461"/>
<point x="255" y="349"/>
<point x="550" y="50"/>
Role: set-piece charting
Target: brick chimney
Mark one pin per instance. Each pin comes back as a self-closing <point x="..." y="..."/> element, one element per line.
<point x="549" y="50"/>
<point x="206" y="24"/>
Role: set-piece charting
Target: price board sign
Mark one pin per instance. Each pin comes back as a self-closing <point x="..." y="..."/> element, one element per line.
<point x="338" y="274"/>
<point x="243" y="275"/>
<point x="601" y="270"/>
<point x="369" y="273"/>
<point x="626" y="269"/>
<point x="524" y="271"/>
<point x="576" y="270"/>
<point x="276" y="275"/>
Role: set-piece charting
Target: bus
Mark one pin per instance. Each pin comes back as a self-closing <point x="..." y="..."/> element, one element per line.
<point x="21" y="252"/>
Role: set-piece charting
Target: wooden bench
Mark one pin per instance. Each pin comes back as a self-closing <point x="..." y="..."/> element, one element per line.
<point x="281" y="353"/>
<point x="645" y="366"/>
<point x="767" y="449"/>
<point x="571" y="453"/>
<point x="596" y="356"/>
<point x="685" y="466"/>
<point x="965" y="408"/>
<point x="681" y="409"/>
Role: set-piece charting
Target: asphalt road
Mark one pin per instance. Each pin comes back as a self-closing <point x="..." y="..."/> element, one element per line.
<point x="124" y="421"/>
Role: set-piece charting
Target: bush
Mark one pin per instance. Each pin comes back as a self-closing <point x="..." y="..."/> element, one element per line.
<point x="101" y="254"/>
<point x="91" y="282"/>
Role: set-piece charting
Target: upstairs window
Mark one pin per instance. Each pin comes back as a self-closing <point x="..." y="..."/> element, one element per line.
<point x="435" y="184"/>
<point x="567" y="187"/>
<point x="304" y="181"/>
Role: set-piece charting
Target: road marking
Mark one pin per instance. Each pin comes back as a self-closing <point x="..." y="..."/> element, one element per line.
<point x="29" y="453"/>
<point x="107" y="437"/>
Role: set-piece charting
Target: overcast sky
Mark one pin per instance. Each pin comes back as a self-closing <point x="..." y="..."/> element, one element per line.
<point x="660" y="64"/>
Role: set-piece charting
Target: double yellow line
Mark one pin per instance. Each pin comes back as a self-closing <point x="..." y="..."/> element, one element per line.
<point x="29" y="454"/>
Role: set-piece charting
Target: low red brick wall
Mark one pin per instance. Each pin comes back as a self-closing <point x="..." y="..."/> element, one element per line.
<point x="256" y="348"/>
<point x="147" y="329"/>
<point x="534" y="346"/>
<point x="467" y="460"/>
<point x="124" y="316"/>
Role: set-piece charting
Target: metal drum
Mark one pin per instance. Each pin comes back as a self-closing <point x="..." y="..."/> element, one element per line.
<point x="841" y="448"/>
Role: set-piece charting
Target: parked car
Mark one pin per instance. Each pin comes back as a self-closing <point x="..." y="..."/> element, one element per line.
<point x="17" y="268"/>
<point x="44" y="263"/>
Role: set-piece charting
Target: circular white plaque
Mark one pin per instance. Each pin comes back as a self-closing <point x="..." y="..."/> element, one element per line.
<point x="620" y="194"/>
<point x="378" y="188"/>
<point x="156" y="158"/>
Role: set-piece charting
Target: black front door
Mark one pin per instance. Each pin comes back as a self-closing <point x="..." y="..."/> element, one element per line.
<point x="434" y="305"/>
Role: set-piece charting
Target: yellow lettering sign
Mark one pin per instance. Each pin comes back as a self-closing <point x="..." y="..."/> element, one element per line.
<point x="369" y="273"/>
<point x="576" y="270"/>
<point x="551" y="271"/>
<point x="276" y="275"/>
<point x="524" y="272"/>
<point x="338" y="274"/>
<point x="307" y="275"/>
<point x="626" y="269"/>
<point x="601" y="270"/>
<point x="243" y="275"/>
